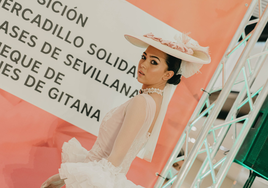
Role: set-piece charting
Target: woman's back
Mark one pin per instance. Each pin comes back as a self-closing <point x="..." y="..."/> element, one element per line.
<point x="110" y="128"/>
<point x="158" y="101"/>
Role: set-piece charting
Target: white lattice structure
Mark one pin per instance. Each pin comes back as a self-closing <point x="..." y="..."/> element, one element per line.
<point x="249" y="72"/>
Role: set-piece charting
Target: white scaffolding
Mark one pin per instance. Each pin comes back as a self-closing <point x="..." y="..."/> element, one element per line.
<point x="242" y="68"/>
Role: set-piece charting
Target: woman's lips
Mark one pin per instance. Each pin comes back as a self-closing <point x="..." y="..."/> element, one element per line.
<point x="141" y="73"/>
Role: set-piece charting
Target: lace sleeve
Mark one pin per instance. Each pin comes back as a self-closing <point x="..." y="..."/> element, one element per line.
<point x="133" y="121"/>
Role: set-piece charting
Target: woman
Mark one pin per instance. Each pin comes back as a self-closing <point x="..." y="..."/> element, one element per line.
<point x="135" y="124"/>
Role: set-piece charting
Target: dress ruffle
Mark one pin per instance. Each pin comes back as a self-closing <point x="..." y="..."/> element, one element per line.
<point x="101" y="174"/>
<point x="93" y="174"/>
<point x="72" y="151"/>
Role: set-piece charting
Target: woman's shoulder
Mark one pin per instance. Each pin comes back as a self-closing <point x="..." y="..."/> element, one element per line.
<point x="143" y="101"/>
<point x="140" y="106"/>
<point x="138" y="100"/>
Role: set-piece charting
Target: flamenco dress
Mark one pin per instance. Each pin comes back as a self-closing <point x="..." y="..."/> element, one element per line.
<point x="121" y="134"/>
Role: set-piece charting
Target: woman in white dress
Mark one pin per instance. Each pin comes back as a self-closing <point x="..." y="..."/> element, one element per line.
<point x="134" y="125"/>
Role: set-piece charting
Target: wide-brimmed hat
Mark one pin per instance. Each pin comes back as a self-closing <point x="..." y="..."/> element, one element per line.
<point x="193" y="55"/>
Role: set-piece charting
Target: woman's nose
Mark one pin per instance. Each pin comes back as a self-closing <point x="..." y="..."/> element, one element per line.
<point x="143" y="64"/>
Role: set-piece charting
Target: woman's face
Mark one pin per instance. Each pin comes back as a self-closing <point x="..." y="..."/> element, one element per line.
<point x="153" y="69"/>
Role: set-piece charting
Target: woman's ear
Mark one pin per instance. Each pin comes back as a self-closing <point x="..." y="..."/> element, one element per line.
<point x="168" y="75"/>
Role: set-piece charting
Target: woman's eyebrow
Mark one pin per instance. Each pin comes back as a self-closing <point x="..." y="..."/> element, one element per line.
<point x="152" y="56"/>
<point x="155" y="57"/>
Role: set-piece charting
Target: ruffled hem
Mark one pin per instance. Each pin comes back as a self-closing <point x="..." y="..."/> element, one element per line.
<point x="73" y="151"/>
<point x="101" y="174"/>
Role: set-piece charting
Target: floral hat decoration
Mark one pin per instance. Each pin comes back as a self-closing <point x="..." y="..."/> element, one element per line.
<point x="193" y="55"/>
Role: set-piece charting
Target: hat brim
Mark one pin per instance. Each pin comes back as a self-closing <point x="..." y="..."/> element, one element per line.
<point x="198" y="56"/>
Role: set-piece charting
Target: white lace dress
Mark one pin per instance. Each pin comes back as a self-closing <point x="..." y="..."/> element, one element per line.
<point x="123" y="133"/>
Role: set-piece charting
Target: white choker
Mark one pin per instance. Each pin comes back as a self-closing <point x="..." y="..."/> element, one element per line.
<point x="151" y="90"/>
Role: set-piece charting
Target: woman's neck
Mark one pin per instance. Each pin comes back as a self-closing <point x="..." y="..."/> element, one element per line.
<point x="159" y="86"/>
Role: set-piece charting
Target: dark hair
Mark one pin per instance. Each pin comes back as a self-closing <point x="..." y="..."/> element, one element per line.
<point x="174" y="65"/>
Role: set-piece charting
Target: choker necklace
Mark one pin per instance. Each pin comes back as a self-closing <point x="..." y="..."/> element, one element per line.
<point x="151" y="90"/>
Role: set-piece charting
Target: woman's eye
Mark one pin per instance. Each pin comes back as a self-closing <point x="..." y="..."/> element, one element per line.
<point x="143" y="57"/>
<point x="154" y="62"/>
